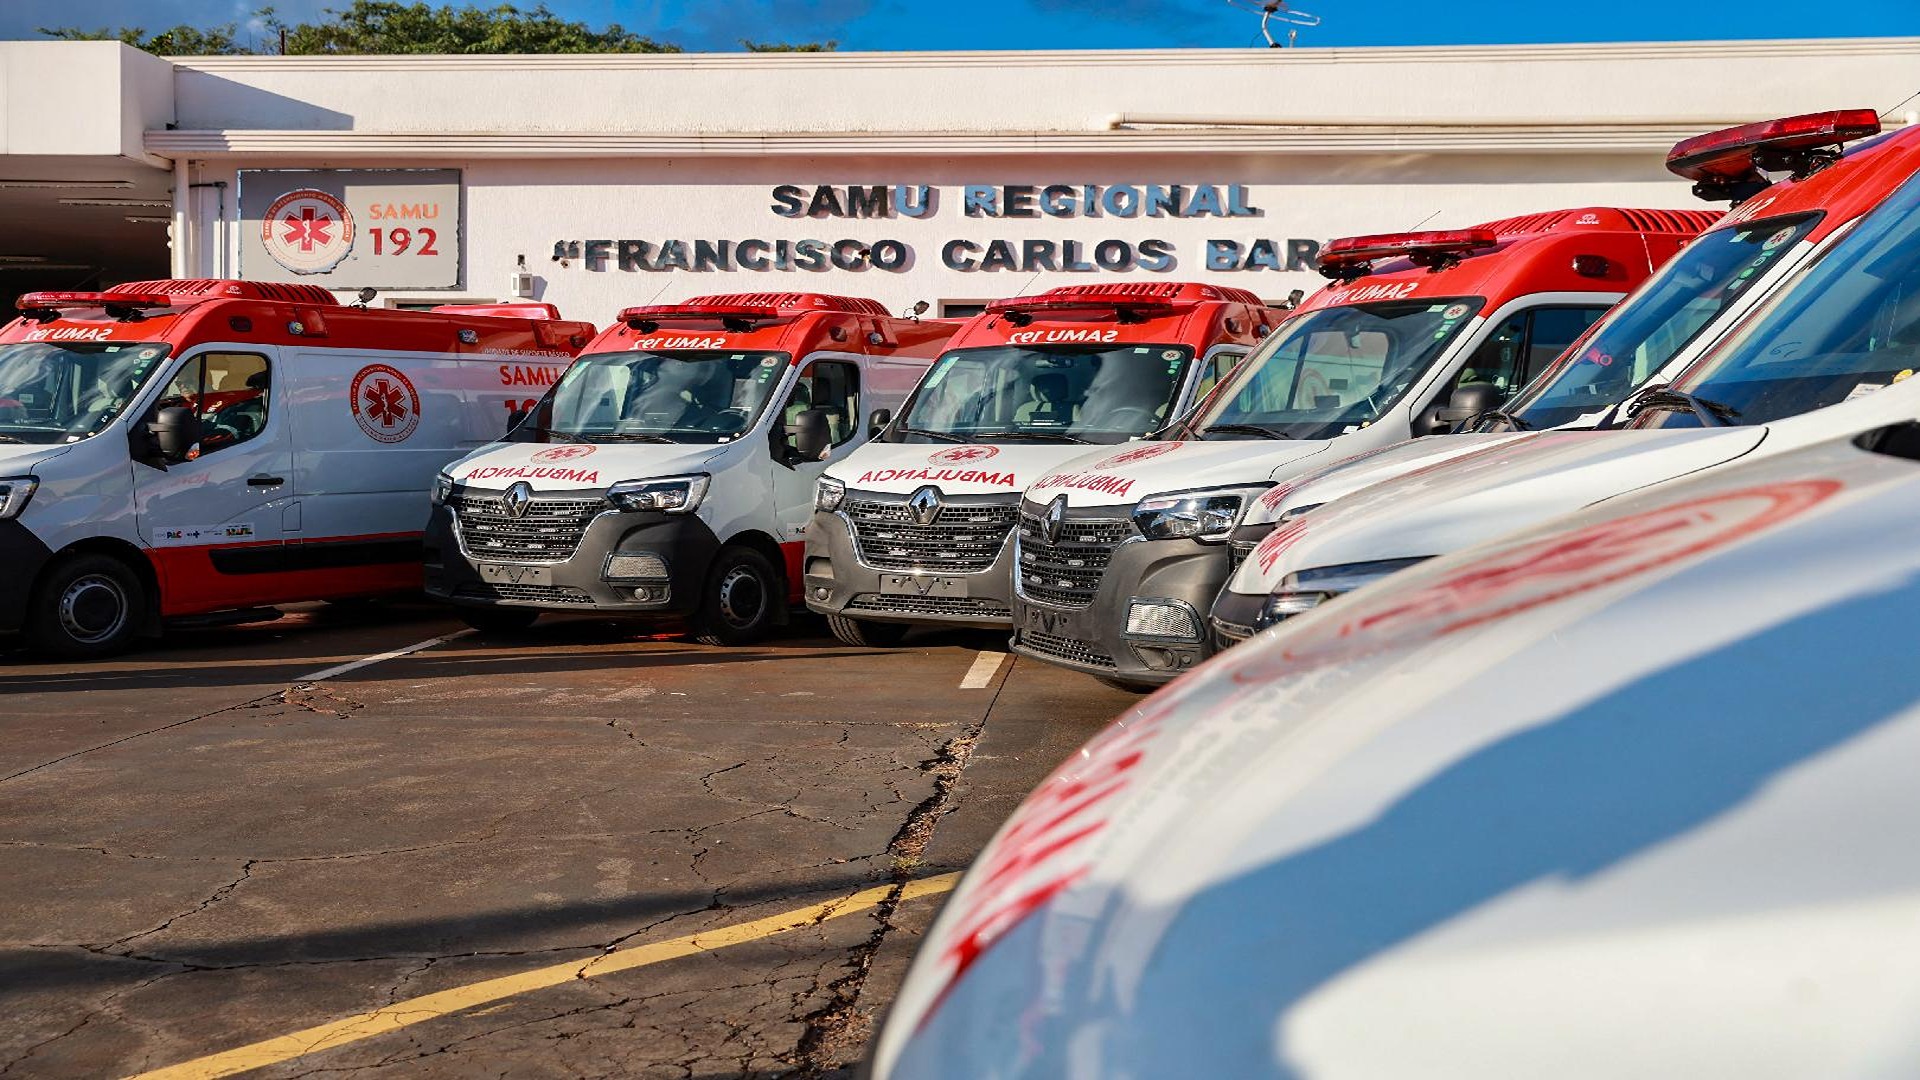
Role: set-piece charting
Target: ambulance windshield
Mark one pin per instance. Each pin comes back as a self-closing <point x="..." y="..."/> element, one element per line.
<point x="1848" y="326"/>
<point x="1047" y="393"/>
<point x="1333" y="370"/>
<point x="67" y="391"/>
<point x="1652" y="326"/>
<point x="680" y="396"/>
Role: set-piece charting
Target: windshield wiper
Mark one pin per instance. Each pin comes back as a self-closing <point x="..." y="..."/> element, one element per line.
<point x="1667" y="399"/>
<point x="628" y="436"/>
<point x="947" y="435"/>
<point x="1047" y="436"/>
<point x="1512" y="420"/>
<point x="563" y="436"/>
<point x="1246" y="429"/>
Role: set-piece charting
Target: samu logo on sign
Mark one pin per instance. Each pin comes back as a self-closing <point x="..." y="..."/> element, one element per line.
<point x="307" y="231"/>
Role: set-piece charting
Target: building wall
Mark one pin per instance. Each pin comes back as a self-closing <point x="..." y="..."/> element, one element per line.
<point x="1322" y="143"/>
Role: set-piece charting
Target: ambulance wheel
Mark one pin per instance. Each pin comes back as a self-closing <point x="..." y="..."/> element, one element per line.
<point x="1122" y="684"/>
<point x="86" y="607"/>
<point x="498" y="620"/>
<point x="742" y="599"/>
<point x="870" y="635"/>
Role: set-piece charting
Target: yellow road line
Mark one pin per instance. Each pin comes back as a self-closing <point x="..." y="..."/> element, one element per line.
<point x="433" y="1006"/>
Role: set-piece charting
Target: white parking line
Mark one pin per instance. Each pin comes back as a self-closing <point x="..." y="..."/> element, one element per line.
<point x="980" y="675"/>
<point x="369" y="661"/>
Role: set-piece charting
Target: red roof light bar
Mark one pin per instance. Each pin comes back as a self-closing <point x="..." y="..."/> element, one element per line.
<point x="54" y="301"/>
<point x="1353" y="256"/>
<point x="1731" y="163"/>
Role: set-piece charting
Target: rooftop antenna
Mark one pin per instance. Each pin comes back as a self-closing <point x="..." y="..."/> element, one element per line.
<point x="1272" y="11"/>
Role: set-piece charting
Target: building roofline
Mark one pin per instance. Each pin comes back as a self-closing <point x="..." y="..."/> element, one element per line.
<point x="1056" y="58"/>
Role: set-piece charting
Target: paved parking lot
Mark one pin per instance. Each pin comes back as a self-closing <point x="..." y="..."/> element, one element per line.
<point x="576" y="853"/>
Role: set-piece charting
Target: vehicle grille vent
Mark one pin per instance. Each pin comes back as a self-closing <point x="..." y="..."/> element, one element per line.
<point x="964" y="538"/>
<point x="1067" y="572"/>
<point x="975" y="607"/>
<point x="1071" y="650"/>
<point x="549" y="531"/>
<point x="533" y="594"/>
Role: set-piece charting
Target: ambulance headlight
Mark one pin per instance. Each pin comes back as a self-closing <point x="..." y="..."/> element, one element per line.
<point x="1197" y="515"/>
<point x="1307" y="589"/>
<point x="14" y="493"/>
<point x="1297" y="511"/>
<point x="828" y="494"/>
<point x="668" y="494"/>
<point x="442" y="489"/>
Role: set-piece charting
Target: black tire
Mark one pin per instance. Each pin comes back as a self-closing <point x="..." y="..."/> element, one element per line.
<point x="1122" y="684"/>
<point x="742" y="599"/>
<point x="870" y="635"/>
<point x="498" y="620"/>
<point x="85" y="607"/>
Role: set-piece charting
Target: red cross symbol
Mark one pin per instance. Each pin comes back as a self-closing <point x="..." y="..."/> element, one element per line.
<point x="307" y="229"/>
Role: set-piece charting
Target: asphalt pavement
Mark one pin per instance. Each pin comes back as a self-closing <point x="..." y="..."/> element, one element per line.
<point x="585" y="851"/>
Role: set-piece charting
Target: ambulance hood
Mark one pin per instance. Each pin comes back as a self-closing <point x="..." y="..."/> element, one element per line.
<point x="1127" y="474"/>
<point x="1629" y="794"/>
<point x="578" y="466"/>
<point x="956" y="468"/>
<point x="1329" y="482"/>
<point x="1483" y="494"/>
<point x="18" y="459"/>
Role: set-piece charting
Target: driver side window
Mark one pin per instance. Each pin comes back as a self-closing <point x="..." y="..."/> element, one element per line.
<point x="230" y="393"/>
<point x="834" y="388"/>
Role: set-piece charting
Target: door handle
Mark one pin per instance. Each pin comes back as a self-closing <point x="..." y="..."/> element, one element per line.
<point x="265" y="481"/>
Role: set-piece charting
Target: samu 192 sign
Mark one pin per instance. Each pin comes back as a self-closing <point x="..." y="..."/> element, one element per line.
<point x="351" y="228"/>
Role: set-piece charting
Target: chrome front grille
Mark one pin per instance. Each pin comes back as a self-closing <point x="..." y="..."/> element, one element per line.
<point x="549" y="531"/>
<point x="1066" y="572"/>
<point x="963" y="538"/>
<point x="1072" y="650"/>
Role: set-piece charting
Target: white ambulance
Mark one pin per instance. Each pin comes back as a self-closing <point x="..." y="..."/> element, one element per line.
<point x="202" y="449"/>
<point x="669" y="475"/>
<point x="1626" y="794"/>
<point x="917" y="527"/>
<point x="1732" y="398"/>
<point x="1121" y="552"/>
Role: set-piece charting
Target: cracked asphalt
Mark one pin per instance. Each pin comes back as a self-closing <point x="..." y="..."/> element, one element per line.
<point x="202" y="852"/>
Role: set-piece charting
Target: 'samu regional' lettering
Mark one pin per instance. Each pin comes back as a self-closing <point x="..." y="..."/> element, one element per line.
<point x="523" y="472"/>
<point x="958" y="476"/>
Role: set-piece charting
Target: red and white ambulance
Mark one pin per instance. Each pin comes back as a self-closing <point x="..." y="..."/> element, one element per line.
<point x="917" y="527"/>
<point x="1122" y="551"/>
<point x="200" y="448"/>
<point x="670" y="474"/>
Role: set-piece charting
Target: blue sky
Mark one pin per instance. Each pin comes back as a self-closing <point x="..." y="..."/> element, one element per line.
<point x="1095" y="24"/>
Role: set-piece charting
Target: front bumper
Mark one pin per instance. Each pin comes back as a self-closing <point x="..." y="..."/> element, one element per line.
<point x="836" y="582"/>
<point x="1171" y="582"/>
<point x="686" y="544"/>
<point x="24" y="555"/>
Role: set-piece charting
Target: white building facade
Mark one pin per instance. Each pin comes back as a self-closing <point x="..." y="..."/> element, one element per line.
<point x="598" y="182"/>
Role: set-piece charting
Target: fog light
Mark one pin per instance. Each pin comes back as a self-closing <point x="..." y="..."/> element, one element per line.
<point x="822" y="594"/>
<point x="640" y="566"/>
<point x="1162" y="619"/>
<point x="650" y="593"/>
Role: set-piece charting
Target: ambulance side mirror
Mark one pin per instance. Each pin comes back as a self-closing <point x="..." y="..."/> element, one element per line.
<point x="172" y="433"/>
<point x="1468" y="401"/>
<point x="811" y="437"/>
<point x="878" y="422"/>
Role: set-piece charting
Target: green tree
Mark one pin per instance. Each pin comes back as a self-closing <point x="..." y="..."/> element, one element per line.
<point x="797" y="46"/>
<point x="179" y="41"/>
<point x="386" y="27"/>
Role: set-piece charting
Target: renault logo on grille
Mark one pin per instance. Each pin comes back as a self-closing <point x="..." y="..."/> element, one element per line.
<point x="517" y="499"/>
<point x="925" y="505"/>
<point x="1055" y="520"/>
